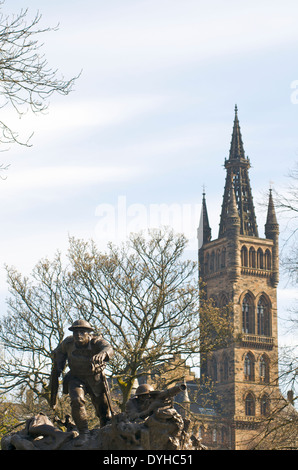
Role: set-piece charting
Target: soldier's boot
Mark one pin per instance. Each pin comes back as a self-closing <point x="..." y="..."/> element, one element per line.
<point x="82" y="438"/>
<point x="84" y="433"/>
<point x="80" y="418"/>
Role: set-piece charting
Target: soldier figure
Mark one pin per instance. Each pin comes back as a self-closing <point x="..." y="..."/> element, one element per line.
<point x="86" y="355"/>
<point x="140" y="402"/>
<point x="147" y="400"/>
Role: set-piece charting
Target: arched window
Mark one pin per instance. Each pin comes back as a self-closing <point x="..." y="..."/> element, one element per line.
<point x="223" y="258"/>
<point x="222" y="300"/>
<point x="248" y="323"/>
<point x="217" y="260"/>
<point x="260" y="259"/>
<point x="263" y="317"/>
<point x="224" y="436"/>
<point x="252" y="257"/>
<point x="249" y="367"/>
<point x="244" y="256"/>
<point x="267" y="260"/>
<point x="207" y="263"/>
<point x="212" y="258"/>
<point x="264" y="369"/>
<point x="265" y="405"/>
<point x="250" y="405"/>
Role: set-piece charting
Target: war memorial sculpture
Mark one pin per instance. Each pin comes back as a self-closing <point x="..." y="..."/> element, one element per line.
<point x="150" y="421"/>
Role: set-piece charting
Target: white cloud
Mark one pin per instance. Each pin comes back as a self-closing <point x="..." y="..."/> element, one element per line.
<point x="71" y="115"/>
<point x="102" y="111"/>
<point x="151" y="34"/>
<point x="63" y="176"/>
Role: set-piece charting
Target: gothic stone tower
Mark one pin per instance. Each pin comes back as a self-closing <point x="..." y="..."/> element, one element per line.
<point x="241" y="268"/>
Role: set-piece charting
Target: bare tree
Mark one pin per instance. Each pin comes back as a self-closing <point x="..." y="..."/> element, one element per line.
<point x="143" y="296"/>
<point x="287" y="205"/>
<point x="34" y="325"/>
<point x="26" y="79"/>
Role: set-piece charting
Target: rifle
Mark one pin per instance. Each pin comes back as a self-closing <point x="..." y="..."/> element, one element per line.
<point x="54" y="386"/>
<point x="159" y="396"/>
<point x="169" y="393"/>
<point x="100" y="375"/>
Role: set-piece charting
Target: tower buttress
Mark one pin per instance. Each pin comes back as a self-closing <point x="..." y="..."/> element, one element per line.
<point x="272" y="232"/>
<point x="232" y="234"/>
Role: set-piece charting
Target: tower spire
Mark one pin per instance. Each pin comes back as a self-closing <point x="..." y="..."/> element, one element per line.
<point x="204" y="230"/>
<point x="237" y="167"/>
<point x="236" y="149"/>
<point x="271" y="222"/>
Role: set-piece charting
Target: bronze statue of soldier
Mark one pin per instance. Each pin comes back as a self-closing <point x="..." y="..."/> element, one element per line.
<point x="87" y="356"/>
<point x="140" y="402"/>
<point x="147" y="400"/>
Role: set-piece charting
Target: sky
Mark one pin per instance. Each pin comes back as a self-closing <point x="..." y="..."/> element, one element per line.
<point x="149" y="122"/>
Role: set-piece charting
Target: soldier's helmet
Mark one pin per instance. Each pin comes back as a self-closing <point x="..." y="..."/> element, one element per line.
<point x="144" y="389"/>
<point x="80" y="324"/>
